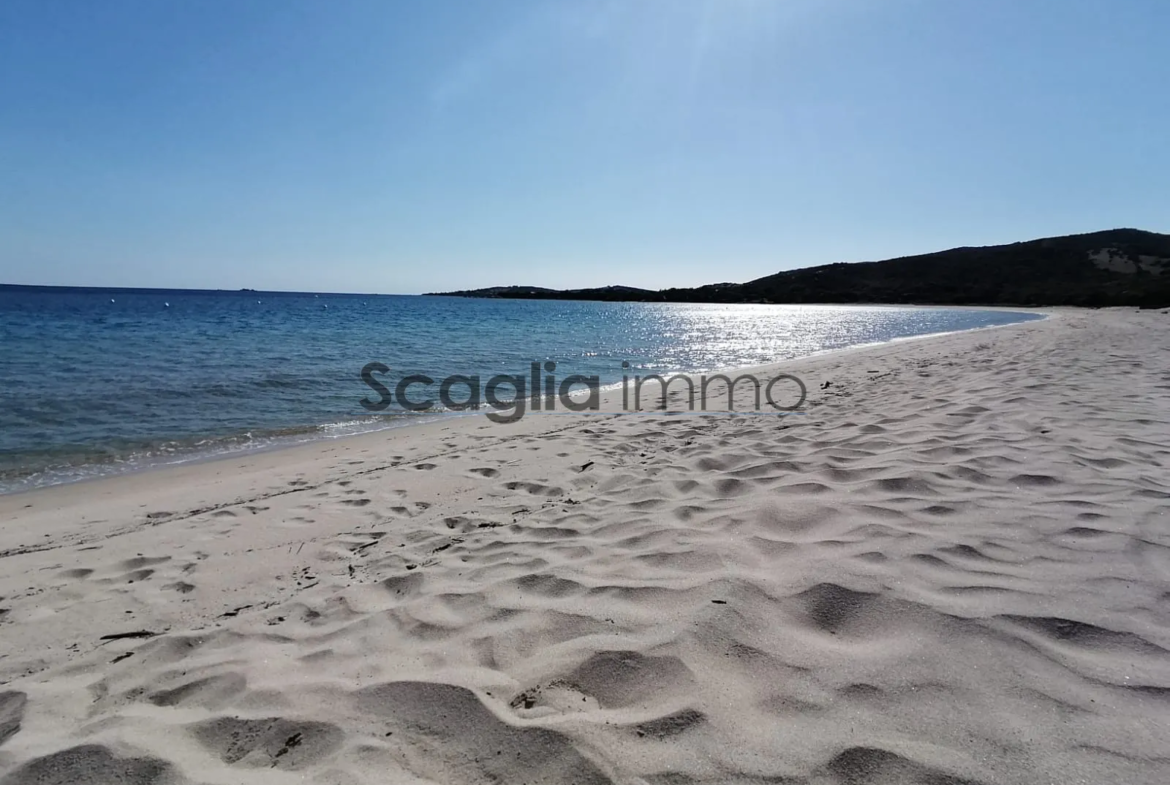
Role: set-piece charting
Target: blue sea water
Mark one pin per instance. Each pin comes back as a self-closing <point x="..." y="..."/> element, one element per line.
<point x="98" y="381"/>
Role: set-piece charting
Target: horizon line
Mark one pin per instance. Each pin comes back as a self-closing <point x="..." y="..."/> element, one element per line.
<point x="131" y="289"/>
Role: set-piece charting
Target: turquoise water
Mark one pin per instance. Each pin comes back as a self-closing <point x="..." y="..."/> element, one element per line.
<point x="101" y="381"/>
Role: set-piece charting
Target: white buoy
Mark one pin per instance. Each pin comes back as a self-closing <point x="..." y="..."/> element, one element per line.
<point x="166" y="305"/>
<point x="111" y="299"/>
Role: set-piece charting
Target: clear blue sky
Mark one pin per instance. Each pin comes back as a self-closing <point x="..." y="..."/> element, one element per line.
<point x="394" y="146"/>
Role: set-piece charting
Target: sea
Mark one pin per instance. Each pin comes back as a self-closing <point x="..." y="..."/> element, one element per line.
<point x="96" y="382"/>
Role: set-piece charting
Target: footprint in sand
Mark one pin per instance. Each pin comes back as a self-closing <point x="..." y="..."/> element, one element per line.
<point x="11" y="714"/>
<point x="275" y="743"/>
<point x="535" y="488"/>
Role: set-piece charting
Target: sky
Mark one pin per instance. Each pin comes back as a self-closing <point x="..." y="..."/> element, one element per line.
<point x="401" y="147"/>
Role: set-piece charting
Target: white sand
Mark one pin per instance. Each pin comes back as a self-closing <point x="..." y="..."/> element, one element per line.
<point x="955" y="569"/>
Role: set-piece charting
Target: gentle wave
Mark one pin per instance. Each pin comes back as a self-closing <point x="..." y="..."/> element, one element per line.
<point x="29" y="470"/>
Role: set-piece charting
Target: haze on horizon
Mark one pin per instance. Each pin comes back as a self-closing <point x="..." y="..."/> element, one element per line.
<point x="400" y="148"/>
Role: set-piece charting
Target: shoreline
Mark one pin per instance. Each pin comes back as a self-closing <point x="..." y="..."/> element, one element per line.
<point x="607" y="390"/>
<point x="238" y="470"/>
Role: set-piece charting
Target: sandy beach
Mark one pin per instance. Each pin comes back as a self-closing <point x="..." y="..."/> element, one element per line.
<point x="954" y="568"/>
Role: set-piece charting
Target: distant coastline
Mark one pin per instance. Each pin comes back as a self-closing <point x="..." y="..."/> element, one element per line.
<point x="1112" y="268"/>
<point x="1118" y="267"/>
